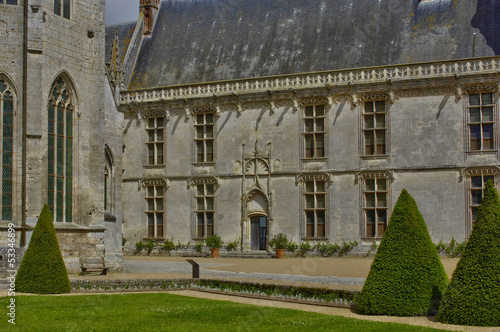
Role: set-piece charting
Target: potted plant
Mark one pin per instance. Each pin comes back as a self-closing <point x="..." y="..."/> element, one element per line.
<point x="279" y="243"/>
<point x="214" y="242"/>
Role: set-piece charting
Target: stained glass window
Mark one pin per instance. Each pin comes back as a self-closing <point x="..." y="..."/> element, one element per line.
<point x="7" y="135"/>
<point x="60" y="151"/>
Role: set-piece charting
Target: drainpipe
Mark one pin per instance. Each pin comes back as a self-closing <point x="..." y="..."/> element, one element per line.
<point x="24" y="126"/>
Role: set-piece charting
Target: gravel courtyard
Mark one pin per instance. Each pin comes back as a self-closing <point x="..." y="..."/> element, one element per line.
<point x="332" y="272"/>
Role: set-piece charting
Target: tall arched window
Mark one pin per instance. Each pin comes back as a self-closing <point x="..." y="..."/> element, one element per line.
<point x="108" y="180"/>
<point x="60" y="151"/>
<point x="7" y="136"/>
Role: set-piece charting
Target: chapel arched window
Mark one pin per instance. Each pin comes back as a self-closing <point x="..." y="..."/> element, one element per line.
<point x="60" y="151"/>
<point x="7" y="137"/>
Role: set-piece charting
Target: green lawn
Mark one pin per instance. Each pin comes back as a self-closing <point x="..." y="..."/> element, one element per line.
<point x="167" y="312"/>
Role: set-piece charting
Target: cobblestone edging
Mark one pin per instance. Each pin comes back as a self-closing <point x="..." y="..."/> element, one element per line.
<point x="334" y="298"/>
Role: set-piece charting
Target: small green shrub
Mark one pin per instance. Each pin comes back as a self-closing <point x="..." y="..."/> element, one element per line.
<point x="292" y="246"/>
<point x="199" y="247"/>
<point x="347" y="247"/>
<point x="139" y="246"/>
<point x="124" y="240"/>
<point x="232" y="245"/>
<point x="304" y="248"/>
<point x="150" y="245"/>
<point x="279" y="241"/>
<point x="454" y="249"/>
<point x="440" y="247"/>
<point x="406" y="277"/>
<point x="473" y="296"/>
<point x="167" y="246"/>
<point x="214" y="241"/>
<point x="373" y="248"/>
<point x="42" y="269"/>
<point x="326" y="249"/>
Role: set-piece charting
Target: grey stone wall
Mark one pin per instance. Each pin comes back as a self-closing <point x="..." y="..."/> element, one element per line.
<point x="73" y="48"/>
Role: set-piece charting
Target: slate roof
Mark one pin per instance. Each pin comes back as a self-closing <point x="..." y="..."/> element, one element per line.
<point x="124" y="31"/>
<point x="211" y="40"/>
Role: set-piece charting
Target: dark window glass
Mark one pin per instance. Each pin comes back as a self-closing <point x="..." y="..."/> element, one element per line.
<point x="375" y="206"/>
<point x="314" y="131"/>
<point x="59" y="153"/>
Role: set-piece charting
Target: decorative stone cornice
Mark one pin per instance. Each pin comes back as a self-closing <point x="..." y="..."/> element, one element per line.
<point x="321" y="176"/>
<point x="155" y="113"/>
<point x="348" y="79"/>
<point x="373" y="174"/>
<point x="314" y="100"/>
<point x="194" y="181"/>
<point x="487" y="87"/>
<point x="203" y="109"/>
<point x="143" y="183"/>
<point x="467" y="172"/>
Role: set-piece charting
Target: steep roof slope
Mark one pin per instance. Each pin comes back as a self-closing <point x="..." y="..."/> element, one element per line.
<point x="124" y="33"/>
<point x="211" y="40"/>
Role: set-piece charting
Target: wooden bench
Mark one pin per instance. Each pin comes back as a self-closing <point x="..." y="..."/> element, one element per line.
<point x="93" y="264"/>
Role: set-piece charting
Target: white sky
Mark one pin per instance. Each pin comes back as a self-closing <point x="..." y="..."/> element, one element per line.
<point x="119" y="11"/>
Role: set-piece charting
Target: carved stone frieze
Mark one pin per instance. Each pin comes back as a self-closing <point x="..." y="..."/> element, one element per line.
<point x="316" y="100"/>
<point x="257" y="165"/>
<point x="471" y="171"/>
<point x="143" y="183"/>
<point x="485" y="87"/>
<point x="371" y="174"/>
<point x="318" y="176"/>
<point x="194" y="181"/>
<point x="155" y="113"/>
<point x="203" y="109"/>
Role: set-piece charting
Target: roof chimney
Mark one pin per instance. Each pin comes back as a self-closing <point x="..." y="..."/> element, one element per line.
<point x="150" y="9"/>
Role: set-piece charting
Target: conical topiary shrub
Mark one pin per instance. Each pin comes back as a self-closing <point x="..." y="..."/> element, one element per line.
<point x="473" y="297"/>
<point x="42" y="269"/>
<point x="406" y="277"/>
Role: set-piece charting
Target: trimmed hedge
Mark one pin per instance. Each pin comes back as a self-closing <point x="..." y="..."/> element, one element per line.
<point x="473" y="297"/>
<point x="42" y="269"/>
<point x="406" y="277"/>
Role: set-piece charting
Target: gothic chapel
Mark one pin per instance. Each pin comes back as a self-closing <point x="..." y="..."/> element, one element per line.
<point x="245" y="119"/>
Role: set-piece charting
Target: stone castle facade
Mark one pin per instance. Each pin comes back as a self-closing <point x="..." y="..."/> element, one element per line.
<point x="250" y="118"/>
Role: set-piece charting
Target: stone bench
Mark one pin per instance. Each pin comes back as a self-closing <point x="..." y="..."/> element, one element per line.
<point x="93" y="264"/>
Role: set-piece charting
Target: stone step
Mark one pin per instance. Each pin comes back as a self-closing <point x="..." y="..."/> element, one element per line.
<point x="250" y="254"/>
<point x="4" y="283"/>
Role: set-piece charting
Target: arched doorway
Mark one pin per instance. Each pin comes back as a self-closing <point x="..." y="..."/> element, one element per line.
<point x="258" y="232"/>
<point x="256" y="227"/>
